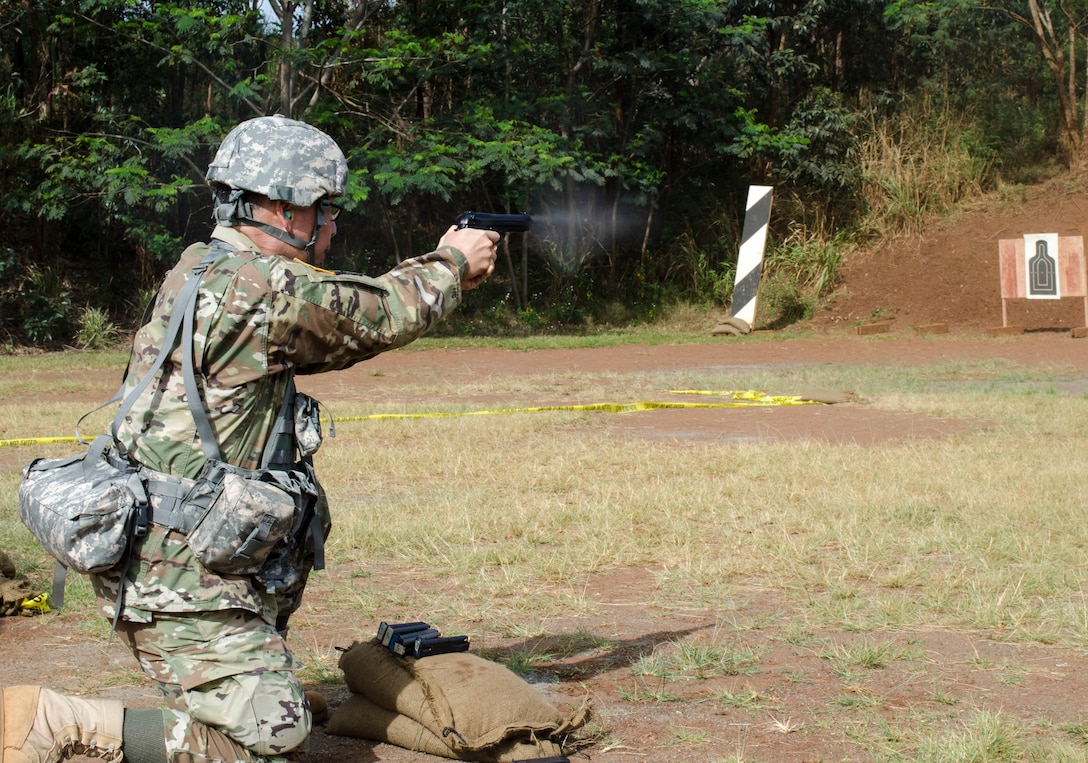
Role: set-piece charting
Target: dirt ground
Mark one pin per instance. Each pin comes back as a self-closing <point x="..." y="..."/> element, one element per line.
<point x="947" y="277"/>
<point x="949" y="274"/>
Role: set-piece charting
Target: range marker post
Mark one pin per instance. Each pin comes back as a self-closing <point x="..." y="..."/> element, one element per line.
<point x="757" y="216"/>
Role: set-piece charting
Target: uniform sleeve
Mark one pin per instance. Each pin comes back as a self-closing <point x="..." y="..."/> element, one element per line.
<point x="322" y="321"/>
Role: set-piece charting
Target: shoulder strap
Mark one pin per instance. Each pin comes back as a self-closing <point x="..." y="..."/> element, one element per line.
<point x="184" y="307"/>
<point x="192" y="391"/>
<point x="188" y="292"/>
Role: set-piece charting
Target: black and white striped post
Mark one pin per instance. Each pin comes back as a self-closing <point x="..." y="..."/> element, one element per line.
<point x="757" y="215"/>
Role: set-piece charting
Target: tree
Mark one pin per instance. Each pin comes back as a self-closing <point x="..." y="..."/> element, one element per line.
<point x="630" y="128"/>
<point x="1058" y="28"/>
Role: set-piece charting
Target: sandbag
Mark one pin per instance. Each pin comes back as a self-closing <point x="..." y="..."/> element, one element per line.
<point x="360" y="718"/>
<point x="456" y="705"/>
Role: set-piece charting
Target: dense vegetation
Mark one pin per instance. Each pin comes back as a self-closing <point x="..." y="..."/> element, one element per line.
<point x="630" y="128"/>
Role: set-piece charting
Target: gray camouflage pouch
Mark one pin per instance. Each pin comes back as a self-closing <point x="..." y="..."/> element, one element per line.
<point x="85" y="509"/>
<point x="244" y="514"/>
<point x="307" y="424"/>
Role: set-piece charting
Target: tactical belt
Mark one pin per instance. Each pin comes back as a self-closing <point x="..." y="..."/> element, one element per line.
<point x="167" y="506"/>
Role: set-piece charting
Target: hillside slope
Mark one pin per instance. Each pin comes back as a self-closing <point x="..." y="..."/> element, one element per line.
<point x="949" y="273"/>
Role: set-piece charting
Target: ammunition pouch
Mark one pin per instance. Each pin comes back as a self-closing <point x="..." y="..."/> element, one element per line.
<point x="235" y="518"/>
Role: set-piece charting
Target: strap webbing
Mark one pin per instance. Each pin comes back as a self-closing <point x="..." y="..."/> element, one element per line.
<point x="282" y="447"/>
<point x="184" y="305"/>
<point x="192" y="392"/>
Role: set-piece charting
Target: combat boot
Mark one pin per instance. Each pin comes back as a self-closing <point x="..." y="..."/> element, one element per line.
<point x="41" y="726"/>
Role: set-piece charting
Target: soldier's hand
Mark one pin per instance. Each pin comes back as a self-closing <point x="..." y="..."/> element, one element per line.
<point x="479" y="248"/>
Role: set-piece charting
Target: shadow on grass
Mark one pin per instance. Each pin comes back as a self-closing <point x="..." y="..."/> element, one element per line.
<point x="578" y="655"/>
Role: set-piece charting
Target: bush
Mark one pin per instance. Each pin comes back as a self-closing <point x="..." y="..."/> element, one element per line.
<point x="925" y="159"/>
<point x="96" y="331"/>
<point x="45" y="305"/>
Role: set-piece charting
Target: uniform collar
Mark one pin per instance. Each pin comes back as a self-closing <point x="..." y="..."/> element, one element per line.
<point x="238" y="240"/>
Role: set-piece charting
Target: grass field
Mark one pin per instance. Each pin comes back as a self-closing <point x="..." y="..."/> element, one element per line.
<point x="495" y="524"/>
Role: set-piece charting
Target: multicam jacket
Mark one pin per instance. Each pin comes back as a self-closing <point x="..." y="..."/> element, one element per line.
<point x="257" y="317"/>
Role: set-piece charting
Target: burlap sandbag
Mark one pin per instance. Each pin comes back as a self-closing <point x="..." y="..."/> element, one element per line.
<point x="359" y="717"/>
<point x="453" y="705"/>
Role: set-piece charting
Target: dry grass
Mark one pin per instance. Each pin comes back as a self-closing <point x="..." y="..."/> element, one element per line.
<point x="498" y="521"/>
<point x="946" y="533"/>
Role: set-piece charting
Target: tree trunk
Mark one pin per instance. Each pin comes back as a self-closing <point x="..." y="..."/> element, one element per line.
<point x="1072" y="135"/>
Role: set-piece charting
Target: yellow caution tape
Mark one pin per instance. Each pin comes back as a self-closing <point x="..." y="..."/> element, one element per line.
<point x="751" y="395"/>
<point x="749" y="398"/>
<point x="37" y="441"/>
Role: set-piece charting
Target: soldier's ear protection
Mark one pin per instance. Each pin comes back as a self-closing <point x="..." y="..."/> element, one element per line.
<point x="287" y="213"/>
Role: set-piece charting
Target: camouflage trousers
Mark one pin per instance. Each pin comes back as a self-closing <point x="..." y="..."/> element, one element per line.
<point x="230" y="687"/>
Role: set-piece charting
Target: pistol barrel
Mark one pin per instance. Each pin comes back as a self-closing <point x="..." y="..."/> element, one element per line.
<point x="516" y="223"/>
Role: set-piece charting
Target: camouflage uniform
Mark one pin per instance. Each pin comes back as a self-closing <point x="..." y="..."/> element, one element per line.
<point x="210" y="641"/>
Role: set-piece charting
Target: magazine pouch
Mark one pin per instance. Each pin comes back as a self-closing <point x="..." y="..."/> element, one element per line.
<point x="295" y="436"/>
<point x="242" y="514"/>
<point x="288" y="566"/>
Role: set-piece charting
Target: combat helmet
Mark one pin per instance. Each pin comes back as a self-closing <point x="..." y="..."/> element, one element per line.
<point x="282" y="159"/>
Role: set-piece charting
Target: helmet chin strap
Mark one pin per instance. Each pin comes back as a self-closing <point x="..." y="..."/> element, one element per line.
<point x="287" y="238"/>
<point x="234" y="210"/>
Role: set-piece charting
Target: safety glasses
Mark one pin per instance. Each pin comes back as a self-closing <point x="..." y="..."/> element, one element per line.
<point x="331" y="211"/>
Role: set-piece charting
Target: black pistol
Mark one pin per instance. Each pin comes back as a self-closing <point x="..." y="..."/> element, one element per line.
<point x="496" y="222"/>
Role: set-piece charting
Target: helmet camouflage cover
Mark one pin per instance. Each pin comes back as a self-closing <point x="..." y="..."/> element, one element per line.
<point x="281" y="158"/>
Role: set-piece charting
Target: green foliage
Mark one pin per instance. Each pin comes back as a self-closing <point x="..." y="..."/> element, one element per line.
<point x="96" y="331"/>
<point x="45" y="305"/>
<point x="630" y="130"/>
<point x="809" y="260"/>
<point x="9" y="295"/>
